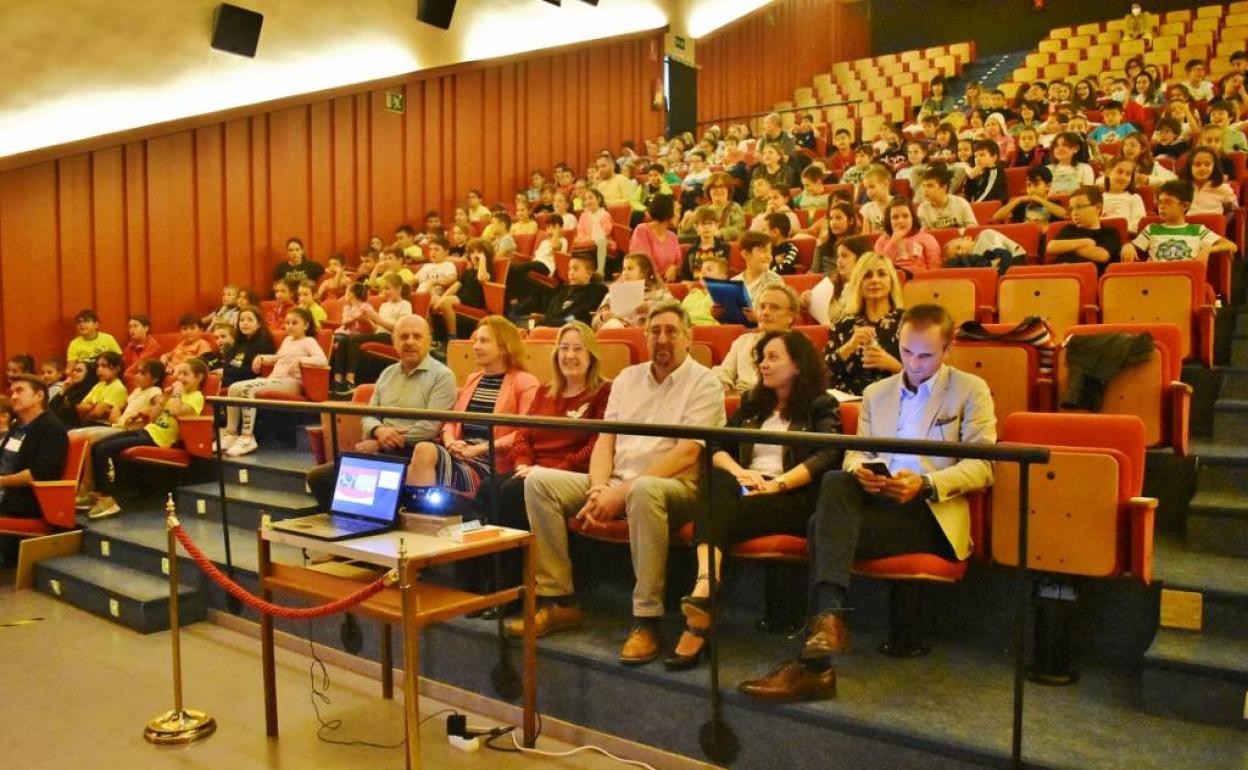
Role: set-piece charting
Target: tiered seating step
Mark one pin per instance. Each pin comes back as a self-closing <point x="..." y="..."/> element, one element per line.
<point x="246" y="503"/>
<point x="1196" y="676"/>
<point x="276" y="469"/>
<point x="132" y="598"/>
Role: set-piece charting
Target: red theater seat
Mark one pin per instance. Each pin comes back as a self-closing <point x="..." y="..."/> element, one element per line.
<point x="55" y="498"/>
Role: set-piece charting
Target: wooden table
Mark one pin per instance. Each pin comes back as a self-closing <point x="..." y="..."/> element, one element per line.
<point x="412" y="605"/>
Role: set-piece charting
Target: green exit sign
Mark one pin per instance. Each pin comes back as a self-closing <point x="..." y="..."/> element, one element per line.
<point x="394" y="101"/>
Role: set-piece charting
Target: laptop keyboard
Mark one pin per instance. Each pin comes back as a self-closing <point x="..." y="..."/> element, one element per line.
<point x="352" y="525"/>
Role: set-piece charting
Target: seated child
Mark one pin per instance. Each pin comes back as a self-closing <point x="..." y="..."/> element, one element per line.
<point x="697" y="301"/>
<point x="1175" y="239"/>
<point x="985" y="181"/>
<point x="863" y="157"/>
<point x="708" y="246"/>
<point x="440" y="273"/>
<point x="191" y="343"/>
<point x="637" y="267"/>
<point x="577" y="299"/>
<point x="1084" y="240"/>
<point x="53" y="375"/>
<point x="90" y="342"/>
<point x="784" y="252"/>
<point x="305" y="297"/>
<point x="335" y="280"/>
<point x="844" y="156"/>
<point x="1035" y="206"/>
<point x="876" y="184"/>
<point x="227" y="313"/>
<point x="813" y="196"/>
<point x="758" y="275"/>
<point x="987" y="249"/>
<point x="284" y="299"/>
<point x="940" y="208"/>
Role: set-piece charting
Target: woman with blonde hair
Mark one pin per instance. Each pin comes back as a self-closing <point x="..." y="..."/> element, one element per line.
<point x="863" y="346"/>
<point x="502" y="386"/>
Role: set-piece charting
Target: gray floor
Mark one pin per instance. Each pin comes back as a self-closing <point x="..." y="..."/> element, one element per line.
<point x="78" y="691"/>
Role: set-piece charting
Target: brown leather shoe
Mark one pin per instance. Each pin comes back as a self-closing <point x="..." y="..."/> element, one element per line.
<point x="828" y="634"/>
<point x="642" y="645"/>
<point x="791" y="683"/>
<point x="547" y="618"/>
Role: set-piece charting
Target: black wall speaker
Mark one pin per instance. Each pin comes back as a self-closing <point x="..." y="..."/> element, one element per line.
<point x="436" y="12"/>
<point x="236" y="30"/>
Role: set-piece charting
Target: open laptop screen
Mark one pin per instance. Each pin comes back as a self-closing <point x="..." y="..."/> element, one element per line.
<point x="368" y="486"/>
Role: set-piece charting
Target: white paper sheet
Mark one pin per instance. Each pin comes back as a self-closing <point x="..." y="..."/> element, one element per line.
<point x="820" y="298"/>
<point x="626" y="296"/>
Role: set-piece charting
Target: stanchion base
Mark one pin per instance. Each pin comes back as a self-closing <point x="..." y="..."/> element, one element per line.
<point x="506" y="681"/>
<point x="179" y="727"/>
<point x="719" y="742"/>
<point x="1051" y="679"/>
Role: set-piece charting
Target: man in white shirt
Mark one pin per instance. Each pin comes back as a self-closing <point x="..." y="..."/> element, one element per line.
<point x="652" y="482"/>
<point x="777" y="310"/>
<point x="918" y="506"/>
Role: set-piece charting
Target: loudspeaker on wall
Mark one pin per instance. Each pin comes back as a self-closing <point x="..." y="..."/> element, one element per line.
<point x="236" y="30"/>
<point x="436" y="12"/>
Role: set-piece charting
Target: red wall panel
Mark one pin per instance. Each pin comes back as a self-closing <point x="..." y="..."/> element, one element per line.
<point x="754" y="62"/>
<point x="159" y="224"/>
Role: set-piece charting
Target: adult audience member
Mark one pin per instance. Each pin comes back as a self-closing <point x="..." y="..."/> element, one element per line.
<point x="778" y="309"/>
<point x="863" y="346"/>
<point x="650" y="481"/>
<point x="461" y="460"/>
<point x="918" y="507"/>
<point x="297" y="266"/>
<point x="416" y="381"/>
<point x="33" y="448"/>
<point x="762" y="489"/>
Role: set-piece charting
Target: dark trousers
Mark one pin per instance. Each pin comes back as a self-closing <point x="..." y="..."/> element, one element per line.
<point x="530" y="295"/>
<point x="734" y="517"/>
<point x="346" y="355"/>
<point x="112" y="447"/>
<point x="850" y="523"/>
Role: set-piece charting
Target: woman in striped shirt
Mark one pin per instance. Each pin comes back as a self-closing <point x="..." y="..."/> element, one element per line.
<point x="461" y="461"/>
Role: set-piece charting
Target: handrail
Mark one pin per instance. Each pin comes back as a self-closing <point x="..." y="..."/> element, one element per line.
<point x="1022" y="454"/>
<point x="1007" y="453"/>
<point x="765" y="113"/>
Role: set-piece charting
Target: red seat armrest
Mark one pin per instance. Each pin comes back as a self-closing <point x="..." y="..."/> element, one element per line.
<point x="1046" y="394"/>
<point x="315" y="381"/>
<point x="196" y="434"/>
<point x="1091" y="314"/>
<point x="986" y="314"/>
<point x="1204" y="330"/>
<point x="56" y="501"/>
<point x="1180" y="416"/>
<point x="1143" y="511"/>
<point x="494" y="295"/>
<point x="316" y="443"/>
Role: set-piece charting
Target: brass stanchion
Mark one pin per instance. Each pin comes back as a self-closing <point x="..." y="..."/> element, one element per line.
<point x="180" y="725"/>
<point x="411" y="657"/>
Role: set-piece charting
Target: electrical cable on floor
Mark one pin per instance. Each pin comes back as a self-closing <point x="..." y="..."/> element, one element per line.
<point x="518" y="749"/>
<point x="320" y="694"/>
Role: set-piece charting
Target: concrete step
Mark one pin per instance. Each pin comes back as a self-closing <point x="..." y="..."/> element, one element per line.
<point x="245" y="504"/>
<point x="1198" y="677"/>
<point x="1222" y="467"/>
<point x="1239" y="348"/>
<point x="278" y="469"/>
<point x="1234" y="382"/>
<point x="131" y="598"/>
<point x="1230" y="420"/>
<point x="1222" y="581"/>
<point x="1217" y="523"/>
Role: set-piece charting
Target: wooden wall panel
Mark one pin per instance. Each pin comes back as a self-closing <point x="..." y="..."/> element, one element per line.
<point x="756" y="61"/>
<point x="159" y="224"/>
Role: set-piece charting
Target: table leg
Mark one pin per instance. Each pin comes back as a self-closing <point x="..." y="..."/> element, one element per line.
<point x="387" y="663"/>
<point x="266" y="648"/>
<point x="530" y="647"/>
<point x="411" y="665"/>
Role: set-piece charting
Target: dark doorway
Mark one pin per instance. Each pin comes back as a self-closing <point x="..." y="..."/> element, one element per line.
<point x="682" y="97"/>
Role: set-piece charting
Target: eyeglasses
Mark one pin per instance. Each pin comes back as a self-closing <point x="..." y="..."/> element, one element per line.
<point x="577" y="349"/>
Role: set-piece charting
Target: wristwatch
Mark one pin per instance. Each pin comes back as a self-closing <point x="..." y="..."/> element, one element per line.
<point x="928" y="490"/>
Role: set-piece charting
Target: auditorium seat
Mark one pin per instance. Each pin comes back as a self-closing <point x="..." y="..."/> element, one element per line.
<point x="1162" y="292"/>
<point x="1063" y="294"/>
<point x="632" y="336"/>
<point x="1011" y="369"/>
<point x="1153" y="391"/>
<point x="349" y="430"/>
<point x="55" y="497"/>
<point x="1218" y="271"/>
<point x="968" y="293"/>
<point x="195" y="437"/>
<point x="718" y="339"/>
<point x="1087" y="518"/>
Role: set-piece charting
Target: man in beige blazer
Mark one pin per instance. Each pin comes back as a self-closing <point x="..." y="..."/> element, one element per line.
<point x="918" y="507"/>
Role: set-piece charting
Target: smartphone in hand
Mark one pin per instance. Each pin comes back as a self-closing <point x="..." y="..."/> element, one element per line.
<point x="878" y="467"/>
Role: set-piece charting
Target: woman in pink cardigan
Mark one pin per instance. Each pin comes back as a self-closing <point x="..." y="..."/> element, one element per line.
<point x="906" y="246"/>
<point x="594" y="227"/>
<point x="657" y="238"/>
<point x="461" y="461"/>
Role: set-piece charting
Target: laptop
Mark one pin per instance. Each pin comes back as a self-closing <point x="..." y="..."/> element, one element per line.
<point x="366" y="500"/>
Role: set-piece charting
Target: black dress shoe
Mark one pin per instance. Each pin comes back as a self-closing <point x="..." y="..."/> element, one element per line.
<point x="692" y="638"/>
<point x="791" y="683"/>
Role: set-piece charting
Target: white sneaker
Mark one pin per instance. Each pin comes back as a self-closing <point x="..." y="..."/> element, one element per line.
<point x="227" y="440"/>
<point x="244" y="445"/>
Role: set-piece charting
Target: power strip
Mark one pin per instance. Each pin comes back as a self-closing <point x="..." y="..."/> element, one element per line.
<point x="466" y="745"/>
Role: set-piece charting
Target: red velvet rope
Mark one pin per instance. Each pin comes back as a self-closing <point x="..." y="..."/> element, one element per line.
<point x="268" y="608"/>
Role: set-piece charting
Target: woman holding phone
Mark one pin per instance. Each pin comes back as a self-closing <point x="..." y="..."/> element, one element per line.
<point x="760" y="489"/>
